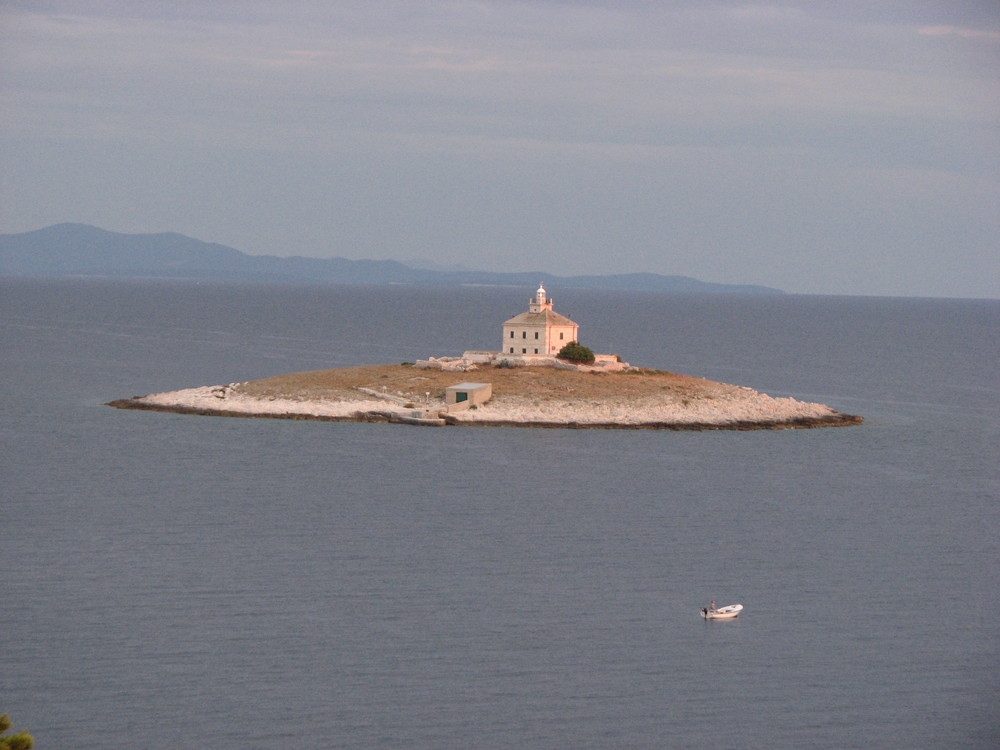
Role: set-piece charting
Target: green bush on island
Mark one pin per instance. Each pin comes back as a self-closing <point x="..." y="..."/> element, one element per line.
<point x="576" y="352"/>
<point x="647" y="371"/>
<point x="19" y="741"/>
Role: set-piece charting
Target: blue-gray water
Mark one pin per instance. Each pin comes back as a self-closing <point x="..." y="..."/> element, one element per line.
<point x="173" y="581"/>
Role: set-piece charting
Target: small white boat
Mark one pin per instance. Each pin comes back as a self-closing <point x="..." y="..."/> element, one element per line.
<point x="722" y="613"/>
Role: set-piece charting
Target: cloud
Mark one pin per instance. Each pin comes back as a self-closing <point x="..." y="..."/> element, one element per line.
<point x="642" y="120"/>
<point x="993" y="36"/>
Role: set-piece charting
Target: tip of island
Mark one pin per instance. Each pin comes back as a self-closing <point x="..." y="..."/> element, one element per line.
<point x="540" y="377"/>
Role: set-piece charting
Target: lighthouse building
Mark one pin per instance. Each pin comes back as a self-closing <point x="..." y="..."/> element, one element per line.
<point x="533" y="338"/>
<point x="540" y="330"/>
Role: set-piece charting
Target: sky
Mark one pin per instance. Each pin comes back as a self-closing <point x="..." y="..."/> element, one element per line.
<point x="821" y="147"/>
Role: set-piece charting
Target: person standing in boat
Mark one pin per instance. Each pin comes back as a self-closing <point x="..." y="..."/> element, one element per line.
<point x="712" y="606"/>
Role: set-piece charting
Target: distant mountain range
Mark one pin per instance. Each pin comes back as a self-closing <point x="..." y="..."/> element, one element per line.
<point x="83" y="250"/>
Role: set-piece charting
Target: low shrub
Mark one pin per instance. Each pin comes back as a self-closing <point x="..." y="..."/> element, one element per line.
<point x="576" y="352"/>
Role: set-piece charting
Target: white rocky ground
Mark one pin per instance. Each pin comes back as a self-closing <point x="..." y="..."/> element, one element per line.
<point x="725" y="405"/>
<point x="225" y="399"/>
<point x="744" y="406"/>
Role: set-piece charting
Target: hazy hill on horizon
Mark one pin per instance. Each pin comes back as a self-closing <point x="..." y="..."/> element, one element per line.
<point x="66" y="250"/>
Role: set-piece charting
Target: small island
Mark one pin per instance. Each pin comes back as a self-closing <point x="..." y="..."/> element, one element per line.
<point x="541" y="377"/>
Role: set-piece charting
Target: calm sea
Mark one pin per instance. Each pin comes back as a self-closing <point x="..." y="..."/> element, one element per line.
<point x="174" y="581"/>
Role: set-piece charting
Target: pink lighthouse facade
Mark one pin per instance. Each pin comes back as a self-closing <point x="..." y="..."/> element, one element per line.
<point x="540" y="330"/>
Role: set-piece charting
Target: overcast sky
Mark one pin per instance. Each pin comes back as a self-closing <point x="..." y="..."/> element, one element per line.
<point x="831" y="147"/>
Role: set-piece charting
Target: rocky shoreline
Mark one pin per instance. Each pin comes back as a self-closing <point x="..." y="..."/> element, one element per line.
<point x="522" y="397"/>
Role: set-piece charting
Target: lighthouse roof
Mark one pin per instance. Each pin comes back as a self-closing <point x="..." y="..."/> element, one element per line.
<point x="541" y="318"/>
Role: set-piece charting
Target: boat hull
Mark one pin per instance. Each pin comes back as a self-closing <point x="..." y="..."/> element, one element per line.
<point x="723" y="613"/>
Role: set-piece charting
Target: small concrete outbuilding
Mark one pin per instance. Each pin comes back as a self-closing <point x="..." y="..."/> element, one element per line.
<point x="464" y="395"/>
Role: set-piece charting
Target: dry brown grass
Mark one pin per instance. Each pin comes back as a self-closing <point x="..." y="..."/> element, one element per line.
<point x="522" y="382"/>
<point x="527" y="397"/>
